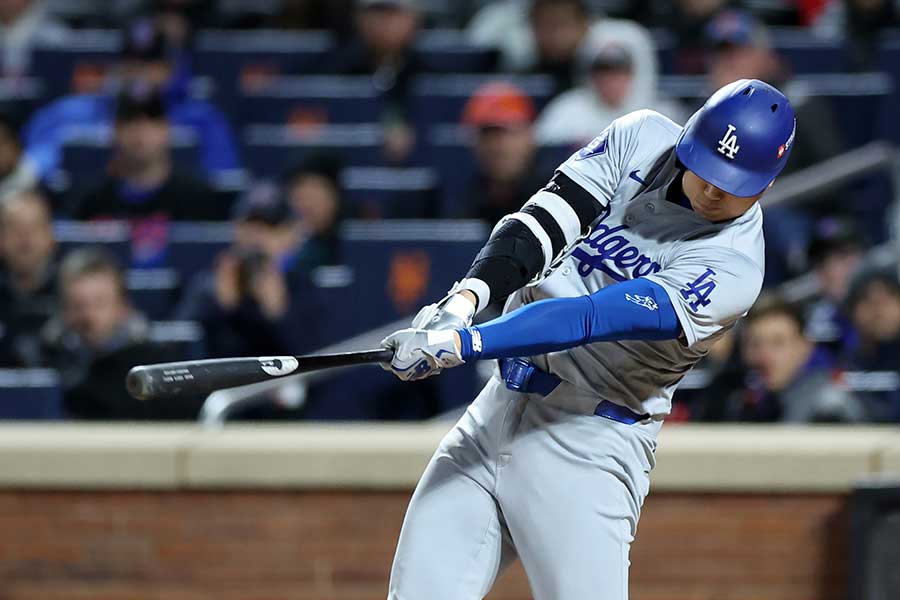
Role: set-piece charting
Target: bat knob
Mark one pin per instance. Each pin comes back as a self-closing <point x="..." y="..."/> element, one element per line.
<point x="139" y="383"/>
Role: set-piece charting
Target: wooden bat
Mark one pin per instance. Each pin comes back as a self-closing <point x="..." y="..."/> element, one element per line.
<point x="200" y="377"/>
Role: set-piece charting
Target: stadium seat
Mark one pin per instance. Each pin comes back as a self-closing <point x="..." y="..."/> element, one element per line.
<point x="186" y="247"/>
<point x="154" y="291"/>
<point x="402" y="265"/>
<point x="449" y="51"/>
<point x="30" y="394"/>
<point x="79" y="65"/>
<point x="441" y="98"/>
<point x="301" y="100"/>
<point x="114" y="236"/>
<point x="272" y="150"/>
<point x="889" y="60"/>
<point x="19" y="96"/>
<point x="236" y="59"/>
<point x="193" y="247"/>
<point x="184" y="337"/>
<point x="800" y="49"/>
<point x="384" y="192"/>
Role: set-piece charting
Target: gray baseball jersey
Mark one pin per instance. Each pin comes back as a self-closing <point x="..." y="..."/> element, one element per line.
<point x="712" y="272"/>
<point x="542" y="478"/>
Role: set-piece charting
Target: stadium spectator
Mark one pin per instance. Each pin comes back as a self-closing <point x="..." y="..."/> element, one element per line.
<point x="874" y="305"/>
<point x="554" y="37"/>
<point x="835" y="254"/>
<point x="27" y="276"/>
<point x="142" y="181"/>
<point x="383" y="47"/>
<point x="559" y="28"/>
<point x="859" y="22"/>
<point x="16" y="173"/>
<point x="615" y="85"/>
<point x="179" y="19"/>
<point x="687" y="20"/>
<point x="146" y="62"/>
<point x="501" y="116"/>
<point x="721" y="373"/>
<point x="25" y="24"/>
<point x="314" y="193"/>
<point x="98" y="337"/>
<point x="256" y="301"/>
<point x="740" y="49"/>
<point x="790" y="379"/>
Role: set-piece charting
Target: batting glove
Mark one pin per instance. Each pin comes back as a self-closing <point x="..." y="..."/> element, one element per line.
<point x="420" y="353"/>
<point x="453" y="311"/>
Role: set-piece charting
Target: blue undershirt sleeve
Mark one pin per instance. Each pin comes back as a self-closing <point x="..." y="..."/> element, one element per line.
<point x="638" y="309"/>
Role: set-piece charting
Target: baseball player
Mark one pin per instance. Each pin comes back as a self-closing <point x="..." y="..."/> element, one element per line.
<point x="643" y="249"/>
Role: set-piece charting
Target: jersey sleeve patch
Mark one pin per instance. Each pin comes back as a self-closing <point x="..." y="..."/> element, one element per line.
<point x="697" y="292"/>
<point x="709" y="291"/>
<point x="595" y="147"/>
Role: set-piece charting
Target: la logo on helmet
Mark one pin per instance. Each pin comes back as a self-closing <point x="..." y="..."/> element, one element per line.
<point x="728" y="145"/>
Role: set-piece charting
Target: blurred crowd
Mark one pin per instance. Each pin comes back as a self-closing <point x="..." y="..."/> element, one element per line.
<point x="173" y="151"/>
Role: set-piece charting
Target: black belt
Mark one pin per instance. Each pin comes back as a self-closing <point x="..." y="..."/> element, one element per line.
<point x="522" y="376"/>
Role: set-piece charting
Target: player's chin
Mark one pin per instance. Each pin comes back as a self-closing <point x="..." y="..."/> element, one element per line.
<point x="712" y="213"/>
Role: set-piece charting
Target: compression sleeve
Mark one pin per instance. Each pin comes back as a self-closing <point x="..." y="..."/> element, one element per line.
<point x="532" y="241"/>
<point x="638" y="309"/>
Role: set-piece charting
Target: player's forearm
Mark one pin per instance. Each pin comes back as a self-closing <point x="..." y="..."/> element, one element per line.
<point x="636" y="309"/>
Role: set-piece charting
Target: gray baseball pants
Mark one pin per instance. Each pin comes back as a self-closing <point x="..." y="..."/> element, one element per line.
<point x="521" y="476"/>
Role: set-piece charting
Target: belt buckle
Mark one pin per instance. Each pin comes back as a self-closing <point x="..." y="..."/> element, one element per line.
<point x="519" y="374"/>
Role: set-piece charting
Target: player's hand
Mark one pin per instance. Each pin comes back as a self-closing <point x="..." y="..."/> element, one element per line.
<point x="419" y="353"/>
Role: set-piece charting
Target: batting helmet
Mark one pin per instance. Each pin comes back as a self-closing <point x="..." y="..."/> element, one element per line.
<point x="740" y="139"/>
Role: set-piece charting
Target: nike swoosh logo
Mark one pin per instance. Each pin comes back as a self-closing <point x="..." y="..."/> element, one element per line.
<point x="634" y="175"/>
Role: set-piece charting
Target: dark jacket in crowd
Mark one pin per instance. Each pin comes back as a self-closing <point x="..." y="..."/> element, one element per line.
<point x="395" y="84"/>
<point x="93" y="382"/>
<point x="812" y="397"/>
<point x="491" y="202"/>
<point x="22" y="317"/>
<point x="180" y="198"/>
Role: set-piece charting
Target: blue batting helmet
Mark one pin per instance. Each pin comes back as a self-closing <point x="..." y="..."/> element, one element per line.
<point x="740" y="139"/>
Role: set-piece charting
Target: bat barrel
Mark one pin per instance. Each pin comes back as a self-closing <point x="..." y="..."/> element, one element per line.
<point x="201" y="377"/>
<point x="140" y="382"/>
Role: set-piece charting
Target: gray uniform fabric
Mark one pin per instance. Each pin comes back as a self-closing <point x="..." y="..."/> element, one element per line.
<point x="518" y="477"/>
<point x="542" y="477"/>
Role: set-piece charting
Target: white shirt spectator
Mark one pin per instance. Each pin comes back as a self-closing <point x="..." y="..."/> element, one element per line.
<point x="616" y="49"/>
<point x="27" y="29"/>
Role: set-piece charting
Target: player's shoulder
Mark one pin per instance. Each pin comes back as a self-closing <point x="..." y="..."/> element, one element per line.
<point x="651" y="122"/>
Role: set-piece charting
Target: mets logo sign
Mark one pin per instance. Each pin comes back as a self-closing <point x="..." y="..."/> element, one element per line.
<point x="609" y="251"/>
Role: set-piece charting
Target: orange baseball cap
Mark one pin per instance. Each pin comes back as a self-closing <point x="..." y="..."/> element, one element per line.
<point x="498" y="104"/>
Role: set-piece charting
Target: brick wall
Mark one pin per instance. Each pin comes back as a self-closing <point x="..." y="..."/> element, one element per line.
<point x="338" y="546"/>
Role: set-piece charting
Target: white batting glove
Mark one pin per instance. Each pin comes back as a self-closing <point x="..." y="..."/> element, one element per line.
<point x="453" y="311"/>
<point x="420" y="353"/>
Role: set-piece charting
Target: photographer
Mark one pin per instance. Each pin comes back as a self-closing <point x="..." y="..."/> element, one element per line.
<point x="255" y="302"/>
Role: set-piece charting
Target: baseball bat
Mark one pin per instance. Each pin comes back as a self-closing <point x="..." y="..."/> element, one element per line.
<point x="169" y="380"/>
